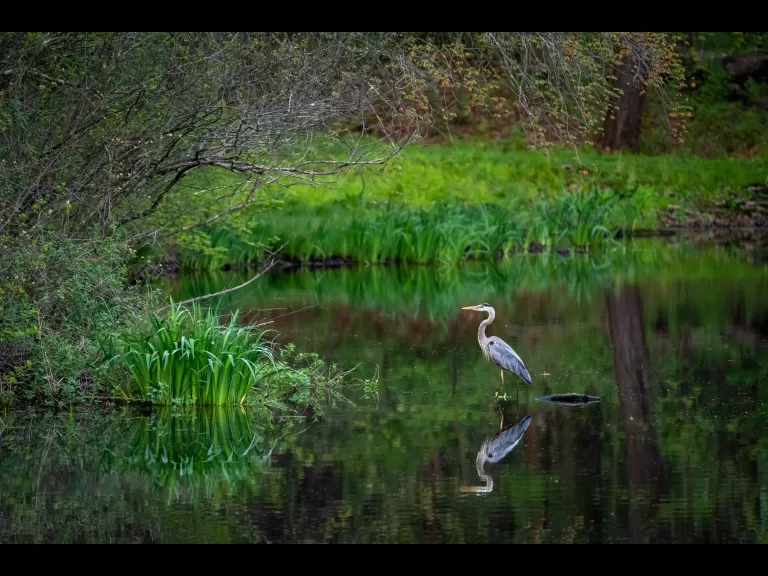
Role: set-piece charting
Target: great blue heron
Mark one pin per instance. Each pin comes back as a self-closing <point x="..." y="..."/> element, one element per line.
<point x="493" y="450"/>
<point x="495" y="349"/>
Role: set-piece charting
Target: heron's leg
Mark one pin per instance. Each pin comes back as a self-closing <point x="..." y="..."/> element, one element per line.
<point x="502" y="382"/>
<point x="501" y="413"/>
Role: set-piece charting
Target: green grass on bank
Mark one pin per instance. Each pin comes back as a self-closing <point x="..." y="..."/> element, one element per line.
<point x="187" y="357"/>
<point x="472" y="199"/>
<point x="437" y="234"/>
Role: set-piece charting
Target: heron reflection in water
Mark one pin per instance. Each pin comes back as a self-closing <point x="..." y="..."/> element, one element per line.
<point x="496" y="350"/>
<point x="493" y="450"/>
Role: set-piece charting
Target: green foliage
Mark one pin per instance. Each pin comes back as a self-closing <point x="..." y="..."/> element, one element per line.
<point x="186" y="357"/>
<point x="730" y="42"/>
<point x="58" y="296"/>
<point x="583" y="217"/>
<point x="312" y="379"/>
<point x="471" y="200"/>
<point x="725" y="121"/>
<point x="437" y="233"/>
<point x="718" y="129"/>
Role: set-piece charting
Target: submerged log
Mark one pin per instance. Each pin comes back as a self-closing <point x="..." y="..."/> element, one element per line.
<point x="571" y="399"/>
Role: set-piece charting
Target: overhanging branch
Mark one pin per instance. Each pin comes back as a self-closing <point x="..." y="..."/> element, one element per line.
<point x="227" y="291"/>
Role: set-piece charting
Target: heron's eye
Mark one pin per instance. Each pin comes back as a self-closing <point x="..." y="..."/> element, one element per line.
<point x="490" y="344"/>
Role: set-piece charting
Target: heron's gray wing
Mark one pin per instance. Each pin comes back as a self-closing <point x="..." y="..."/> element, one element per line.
<point x="502" y="444"/>
<point x="502" y="353"/>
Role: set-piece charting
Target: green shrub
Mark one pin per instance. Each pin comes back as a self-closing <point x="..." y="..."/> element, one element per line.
<point x="57" y="295"/>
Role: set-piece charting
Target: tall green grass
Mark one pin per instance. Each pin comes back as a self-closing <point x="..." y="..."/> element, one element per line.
<point x="435" y="234"/>
<point x="187" y="357"/>
<point x="583" y="217"/>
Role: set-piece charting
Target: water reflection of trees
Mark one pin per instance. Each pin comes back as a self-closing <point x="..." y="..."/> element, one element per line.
<point x="646" y="472"/>
<point x="593" y="453"/>
<point x="680" y="367"/>
<point x="432" y="293"/>
<point x="693" y="443"/>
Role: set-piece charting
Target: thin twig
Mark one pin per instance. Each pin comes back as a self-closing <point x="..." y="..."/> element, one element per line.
<point x="205" y="297"/>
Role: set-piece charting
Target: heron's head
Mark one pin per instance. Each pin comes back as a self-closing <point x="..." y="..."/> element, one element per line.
<point x="478" y="308"/>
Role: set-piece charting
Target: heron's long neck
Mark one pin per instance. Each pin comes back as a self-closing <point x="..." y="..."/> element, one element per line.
<point x="481" y="330"/>
<point x="480" y="462"/>
<point x="480" y="489"/>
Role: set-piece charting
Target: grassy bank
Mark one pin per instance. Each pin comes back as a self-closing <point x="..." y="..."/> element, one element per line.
<point x="474" y="199"/>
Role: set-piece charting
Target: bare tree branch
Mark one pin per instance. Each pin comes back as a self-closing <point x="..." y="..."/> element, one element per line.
<point x="221" y="293"/>
<point x="100" y="129"/>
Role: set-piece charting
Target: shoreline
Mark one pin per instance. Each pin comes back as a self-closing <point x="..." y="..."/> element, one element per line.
<point x="751" y="237"/>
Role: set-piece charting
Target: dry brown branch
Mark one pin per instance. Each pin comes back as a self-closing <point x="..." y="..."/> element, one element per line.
<point x="221" y="293"/>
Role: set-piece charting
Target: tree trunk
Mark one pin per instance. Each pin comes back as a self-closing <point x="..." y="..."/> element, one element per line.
<point x="622" y="127"/>
<point x="645" y="468"/>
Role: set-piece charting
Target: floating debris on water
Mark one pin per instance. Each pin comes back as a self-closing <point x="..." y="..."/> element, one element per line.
<point x="570" y="399"/>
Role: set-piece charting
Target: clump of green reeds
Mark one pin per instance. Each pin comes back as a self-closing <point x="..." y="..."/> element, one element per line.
<point x="188" y="357"/>
<point x="439" y="234"/>
<point x="583" y="216"/>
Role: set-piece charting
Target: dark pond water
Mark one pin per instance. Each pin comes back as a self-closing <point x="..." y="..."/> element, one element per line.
<point x="674" y="342"/>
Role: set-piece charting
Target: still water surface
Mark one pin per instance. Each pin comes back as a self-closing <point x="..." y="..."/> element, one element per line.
<point x="673" y="342"/>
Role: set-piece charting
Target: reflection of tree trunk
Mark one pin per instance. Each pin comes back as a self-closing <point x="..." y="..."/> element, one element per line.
<point x="622" y="127"/>
<point x="454" y="358"/>
<point x="433" y="527"/>
<point x="645" y="469"/>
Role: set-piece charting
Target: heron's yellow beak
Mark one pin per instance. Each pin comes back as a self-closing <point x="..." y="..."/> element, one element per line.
<point x="470" y="308"/>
